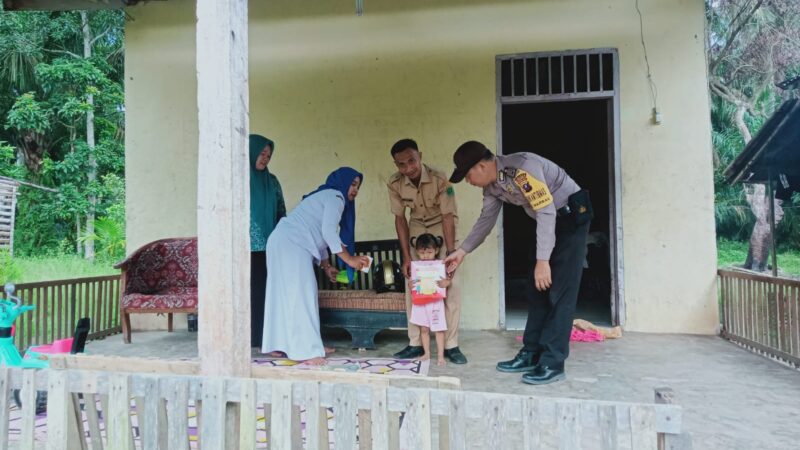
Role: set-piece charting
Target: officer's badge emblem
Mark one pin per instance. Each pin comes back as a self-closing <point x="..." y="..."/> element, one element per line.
<point x="522" y="181"/>
<point x="510" y="188"/>
<point x="535" y="191"/>
<point x="582" y="209"/>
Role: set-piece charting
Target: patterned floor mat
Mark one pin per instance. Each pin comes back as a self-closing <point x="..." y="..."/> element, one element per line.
<point x="371" y="365"/>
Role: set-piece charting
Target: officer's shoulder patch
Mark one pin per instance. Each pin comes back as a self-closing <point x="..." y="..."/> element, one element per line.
<point x="535" y="191"/>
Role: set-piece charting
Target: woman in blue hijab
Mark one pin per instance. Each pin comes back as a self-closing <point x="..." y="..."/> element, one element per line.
<point x="266" y="209"/>
<point x="324" y="219"/>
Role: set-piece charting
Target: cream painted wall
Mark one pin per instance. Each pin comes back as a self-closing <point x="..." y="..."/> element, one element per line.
<point x="335" y="89"/>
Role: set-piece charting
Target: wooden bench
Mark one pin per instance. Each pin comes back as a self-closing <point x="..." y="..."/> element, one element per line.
<point x="359" y="309"/>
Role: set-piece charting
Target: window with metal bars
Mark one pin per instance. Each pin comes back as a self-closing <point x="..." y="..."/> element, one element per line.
<point x="557" y="74"/>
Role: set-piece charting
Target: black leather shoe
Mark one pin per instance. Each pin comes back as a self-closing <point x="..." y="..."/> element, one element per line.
<point x="524" y="361"/>
<point x="455" y="356"/>
<point x="410" y="352"/>
<point x="543" y="375"/>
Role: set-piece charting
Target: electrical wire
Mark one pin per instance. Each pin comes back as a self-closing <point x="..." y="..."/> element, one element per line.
<point x="653" y="88"/>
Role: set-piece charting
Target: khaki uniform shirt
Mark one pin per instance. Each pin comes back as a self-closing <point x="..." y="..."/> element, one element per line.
<point x="535" y="183"/>
<point x="433" y="198"/>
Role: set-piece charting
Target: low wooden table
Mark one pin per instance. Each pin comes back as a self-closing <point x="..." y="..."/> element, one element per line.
<point x="363" y="313"/>
<point x="359" y="309"/>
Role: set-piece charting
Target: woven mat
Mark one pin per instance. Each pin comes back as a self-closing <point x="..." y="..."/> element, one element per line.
<point x="366" y="300"/>
<point x="371" y="365"/>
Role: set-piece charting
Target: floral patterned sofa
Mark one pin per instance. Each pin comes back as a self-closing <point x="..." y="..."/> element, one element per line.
<point x="159" y="277"/>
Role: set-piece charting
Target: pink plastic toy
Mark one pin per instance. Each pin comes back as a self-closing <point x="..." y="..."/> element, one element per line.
<point x="58" y="346"/>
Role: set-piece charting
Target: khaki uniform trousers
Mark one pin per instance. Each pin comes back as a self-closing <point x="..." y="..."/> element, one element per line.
<point x="452" y="304"/>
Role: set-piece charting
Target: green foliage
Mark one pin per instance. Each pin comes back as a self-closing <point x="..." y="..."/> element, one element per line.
<point x="47" y="89"/>
<point x="743" y="68"/>
<point x="733" y="253"/>
<point x="9" y="269"/>
<point x="8" y="168"/>
<point x="29" y="114"/>
<point x="109" y="236"/>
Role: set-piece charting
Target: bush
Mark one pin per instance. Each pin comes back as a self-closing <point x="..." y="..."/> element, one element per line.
<point x="9" y="270"/>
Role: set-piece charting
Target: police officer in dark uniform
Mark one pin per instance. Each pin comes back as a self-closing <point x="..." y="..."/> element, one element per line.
<point x="562" y="212"/>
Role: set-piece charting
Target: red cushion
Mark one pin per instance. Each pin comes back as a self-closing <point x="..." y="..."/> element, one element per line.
<point x="162" y="265"/>
<point x="171" y="298"/>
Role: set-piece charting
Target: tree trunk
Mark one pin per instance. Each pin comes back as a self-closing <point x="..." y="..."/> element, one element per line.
<point x="78" y="249"/>
<point x="92" y="171"/>
<point x="32" y="146"/>
<point x="756" y="195"/>
<point x="758" y="252"/>
<point x="738" y="119"/>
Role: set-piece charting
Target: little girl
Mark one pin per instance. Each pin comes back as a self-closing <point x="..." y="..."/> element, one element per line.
<point x="429" y="315"/>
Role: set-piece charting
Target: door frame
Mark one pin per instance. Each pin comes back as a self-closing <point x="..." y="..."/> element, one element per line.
<point x="614" y="167"/>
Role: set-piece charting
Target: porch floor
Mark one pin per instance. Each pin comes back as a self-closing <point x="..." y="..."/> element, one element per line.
<point x="732" y="399"/>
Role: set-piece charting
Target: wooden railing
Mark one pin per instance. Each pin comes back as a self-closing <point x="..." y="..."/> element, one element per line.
<point x="59" y="304"/>
<point x="180" y="412"/>
<point x="761" y="312"/>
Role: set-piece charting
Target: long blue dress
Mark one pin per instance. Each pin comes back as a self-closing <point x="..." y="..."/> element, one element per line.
<point x="301" y="240"/>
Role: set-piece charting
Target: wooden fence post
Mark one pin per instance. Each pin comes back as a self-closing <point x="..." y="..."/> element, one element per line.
<point x="152" y="416"/>
<point x="457" y="428"/>
<point x="345" y="410"/>
<point x="5" y="396"/>
<point x="213" y="427"/>
<point x="90" y="404"/>
<point x="418" y="419"/>
<point x="28" y="398"/>
<point x="280" y="429"/>
<point x="118" y="418"/>
<point x="59" y="408"/>
<point x="683" y="441"/>
<point x="177" y="414"/>
<point x="247" y="414"/>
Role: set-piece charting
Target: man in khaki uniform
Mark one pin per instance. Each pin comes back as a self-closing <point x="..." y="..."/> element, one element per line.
<point x="428" y="195"/>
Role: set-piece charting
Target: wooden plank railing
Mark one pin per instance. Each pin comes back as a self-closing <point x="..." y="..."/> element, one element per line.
<point x="364" y="415"/>
<point x="60" y="303"/>
<point x="761" y="312"/>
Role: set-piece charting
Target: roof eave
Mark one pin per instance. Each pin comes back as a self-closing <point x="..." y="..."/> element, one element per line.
<point x="65" y="5"/>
